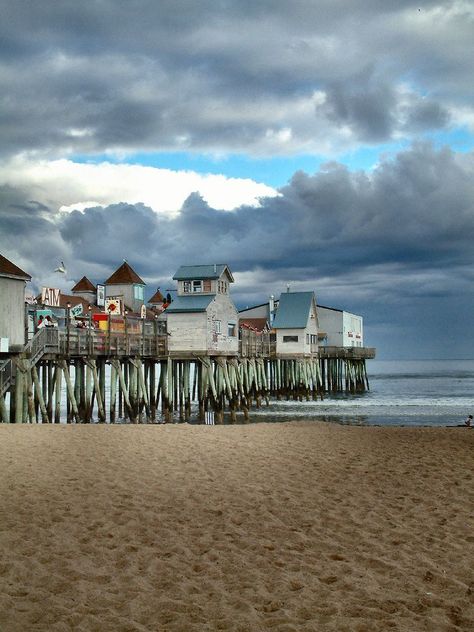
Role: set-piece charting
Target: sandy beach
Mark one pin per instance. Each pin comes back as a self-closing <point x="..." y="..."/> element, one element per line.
<point x="286" y="527"/>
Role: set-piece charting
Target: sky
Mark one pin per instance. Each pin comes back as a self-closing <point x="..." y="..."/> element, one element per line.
<point x="324" y="144"/>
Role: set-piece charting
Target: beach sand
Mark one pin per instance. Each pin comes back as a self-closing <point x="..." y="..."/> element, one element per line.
<point x="286" y="527"/>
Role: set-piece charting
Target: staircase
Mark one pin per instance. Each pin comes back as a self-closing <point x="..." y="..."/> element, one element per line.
<point x="6" y="376"/>
<point x="44" y="341"/>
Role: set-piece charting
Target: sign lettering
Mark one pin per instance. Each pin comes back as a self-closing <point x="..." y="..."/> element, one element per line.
<point x="50" y="296"/>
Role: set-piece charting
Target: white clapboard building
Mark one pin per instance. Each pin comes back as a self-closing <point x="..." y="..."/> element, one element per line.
<point x="336" y="327"/>
<point x="202" y="318"/>
<point x="12" y="306"/>
<point x="296" y="324"/>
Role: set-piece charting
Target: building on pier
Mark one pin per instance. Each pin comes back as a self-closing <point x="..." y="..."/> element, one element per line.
<point x="202" y="360"/>
<point x="85" y="289"/>
<point x="203" y="319"/>
<point x="157" y="302"/>
<point x="341" y="328"/>
<point x="296" y="324"/>
<point x="12" y="306"/>
<point x="337" y="329"/>
<point x="125" y="285"/>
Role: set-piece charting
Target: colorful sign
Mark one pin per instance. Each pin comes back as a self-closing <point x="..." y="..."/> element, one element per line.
<point x="76" y="310"/>
<point x="100" y="295"/>
<point x="113" y="306"/>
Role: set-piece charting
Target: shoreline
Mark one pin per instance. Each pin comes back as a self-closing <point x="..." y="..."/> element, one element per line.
<point x="284" y="526"/>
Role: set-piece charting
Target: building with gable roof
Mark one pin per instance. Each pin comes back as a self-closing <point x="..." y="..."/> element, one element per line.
<point x="203" y="318"/>
<point x="85" y="289"/>
<point x="157" y="302"/>
<point x="12" y="306"/>
<point x="126" y="285"/>
<point x="336" y="327"/>
<point x="296" y="324"/>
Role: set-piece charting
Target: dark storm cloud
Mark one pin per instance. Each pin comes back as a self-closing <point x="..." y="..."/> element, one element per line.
<point x="217" y="75"/>
<point x="367" y="107"/>
<point x="413" y="213"/>
<point x="389" y="243"/>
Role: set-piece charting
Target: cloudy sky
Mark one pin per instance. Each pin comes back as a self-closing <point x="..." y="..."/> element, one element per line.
<point x="328" y="144"/>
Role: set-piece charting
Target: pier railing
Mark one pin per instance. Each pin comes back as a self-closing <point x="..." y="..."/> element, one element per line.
<point x="151" y="342"/>
<point x="44" y="341"/>
<point x="78" y="342"/>
<point x="356" y="353"/>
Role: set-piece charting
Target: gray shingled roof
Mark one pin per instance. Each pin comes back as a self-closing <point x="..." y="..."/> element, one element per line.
<point x="293" y="310"/>
<point x="190" y="304"/>
<point x="211" y="271"/>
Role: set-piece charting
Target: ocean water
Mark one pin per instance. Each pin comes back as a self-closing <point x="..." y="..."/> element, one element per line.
<point x="402" y="392"/>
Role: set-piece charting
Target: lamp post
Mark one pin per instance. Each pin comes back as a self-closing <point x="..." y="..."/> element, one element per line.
<point x="109" y="321"/>
<point x="89" y="332"/>
<point x="126" y="331"/>
<point x="68" y="325"/>
<point x="155" y="324"/>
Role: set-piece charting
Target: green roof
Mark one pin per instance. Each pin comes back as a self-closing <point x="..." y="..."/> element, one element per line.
<point x="293" y="310"/>
<point x="193" y="303"/>
<point x="211" y="271"/>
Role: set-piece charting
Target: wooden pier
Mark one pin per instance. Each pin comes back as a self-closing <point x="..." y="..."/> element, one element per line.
<point x="110" y="376"/>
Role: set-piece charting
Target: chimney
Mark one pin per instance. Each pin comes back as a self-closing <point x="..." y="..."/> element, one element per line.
<point x="287" y="288"/>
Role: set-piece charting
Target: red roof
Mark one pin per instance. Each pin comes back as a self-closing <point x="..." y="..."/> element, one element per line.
<point x="254" y="324"/>
<point x="156" y="298"/>
<point x="124" y="275"/>
<point x="10" y="269"/>
<point x="84" y="285"/>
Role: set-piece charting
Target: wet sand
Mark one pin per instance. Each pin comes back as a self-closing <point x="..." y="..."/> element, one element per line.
<point x="286" y="527"/>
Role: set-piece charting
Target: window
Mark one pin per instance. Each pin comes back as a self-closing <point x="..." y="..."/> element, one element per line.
<point x="217" y="326"/>
<point x="290" y="338"/>
<point x="206" y="286"/>
<point x="313" y="339"/>
<point x="138" y="292"/>
<point x="187" y="287"/>
<point x="197" y="286"/>
<point x="231" y="329"/>
<point x="307" y="339"/>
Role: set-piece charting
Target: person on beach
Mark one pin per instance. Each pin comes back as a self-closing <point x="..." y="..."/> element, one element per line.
<point x="468" y="421"/>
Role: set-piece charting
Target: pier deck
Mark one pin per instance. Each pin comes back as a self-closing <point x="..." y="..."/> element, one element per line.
<point x="143" y="375"/>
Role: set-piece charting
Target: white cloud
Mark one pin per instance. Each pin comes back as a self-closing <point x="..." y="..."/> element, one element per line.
<point x="66" y="185"/>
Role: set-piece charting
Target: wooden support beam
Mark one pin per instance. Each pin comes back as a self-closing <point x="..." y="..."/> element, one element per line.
<point x="39" y="395"/>
<point x="57" y="389"/>
<point x="124" y="388"/>
<point x="70" y="390"/>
